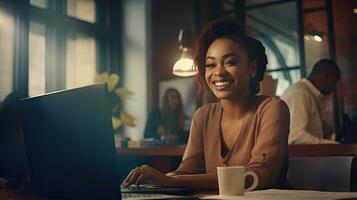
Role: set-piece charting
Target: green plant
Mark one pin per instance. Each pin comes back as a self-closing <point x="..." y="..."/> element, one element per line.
<point x="117" y="95"/>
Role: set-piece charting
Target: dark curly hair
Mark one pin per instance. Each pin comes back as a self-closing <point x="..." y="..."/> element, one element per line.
<point x="229" y="28"/>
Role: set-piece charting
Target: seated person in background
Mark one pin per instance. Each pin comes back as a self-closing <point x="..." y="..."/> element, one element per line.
<point x="241" y="129"/>
<point x="168" y="124"/>
<point x="306" y="126"/>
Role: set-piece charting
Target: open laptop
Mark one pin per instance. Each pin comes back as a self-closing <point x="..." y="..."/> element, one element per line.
<point x="157" y="190"/>
<point x="70" y="144"/>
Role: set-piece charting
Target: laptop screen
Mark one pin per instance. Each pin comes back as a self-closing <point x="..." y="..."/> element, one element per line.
<point x="70" y="143"/>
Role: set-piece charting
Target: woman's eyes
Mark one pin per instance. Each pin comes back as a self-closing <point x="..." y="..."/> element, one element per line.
<point x="210" y="65"/>
<point x="225" y="63"/>
<point x="230" y="63"/>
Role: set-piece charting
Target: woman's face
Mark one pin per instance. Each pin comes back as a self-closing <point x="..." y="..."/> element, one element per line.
<point x="228" y="69"/>
<point x="173" y="99"/>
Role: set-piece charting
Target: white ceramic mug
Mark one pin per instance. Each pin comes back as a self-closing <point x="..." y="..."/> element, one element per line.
<point x="231" y="180"/>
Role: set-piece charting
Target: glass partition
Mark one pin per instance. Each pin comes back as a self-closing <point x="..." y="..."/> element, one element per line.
<point x="315" y="32"/>
<point x="276" y="26"/>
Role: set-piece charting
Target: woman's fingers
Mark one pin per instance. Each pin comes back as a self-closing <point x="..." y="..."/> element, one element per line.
<point x="134" y="177"/>
<point x="140" y="179"/>
<point x="127" y="181"/>
<point x="145" y="174"/>
<point x="124" y="184"/>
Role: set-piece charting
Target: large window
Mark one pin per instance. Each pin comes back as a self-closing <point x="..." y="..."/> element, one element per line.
<point x="82" y="9"/>
<point x="49" y="45"/>
<point x="37" y="59"/>
<point x="7" y="32"/>
<point x="62" y="47"/>
<point x="80" y="59"/>
<point x="276" y="25"/>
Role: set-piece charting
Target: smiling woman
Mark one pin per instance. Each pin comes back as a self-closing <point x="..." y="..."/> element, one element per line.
<point x="228" y="69"/>
<point x="242" y="129"/>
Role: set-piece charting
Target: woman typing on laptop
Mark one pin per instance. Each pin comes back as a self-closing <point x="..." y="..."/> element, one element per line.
<point x="243" y="128"/>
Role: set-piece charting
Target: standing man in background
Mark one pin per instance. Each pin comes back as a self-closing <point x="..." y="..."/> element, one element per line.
<point x="302" y="98"/>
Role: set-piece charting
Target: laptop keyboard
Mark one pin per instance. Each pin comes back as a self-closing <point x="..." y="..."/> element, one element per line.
<point x="155" y="190"/>
<point x="137" y="196"/>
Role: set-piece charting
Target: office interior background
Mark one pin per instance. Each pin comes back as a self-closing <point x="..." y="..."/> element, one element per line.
<point x="50" y="45"/>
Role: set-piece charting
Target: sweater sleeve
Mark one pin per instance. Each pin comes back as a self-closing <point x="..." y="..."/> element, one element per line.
<point x="271" y="145"/>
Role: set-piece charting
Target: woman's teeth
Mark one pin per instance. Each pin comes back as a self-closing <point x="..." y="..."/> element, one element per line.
<point x="221" y="83"/>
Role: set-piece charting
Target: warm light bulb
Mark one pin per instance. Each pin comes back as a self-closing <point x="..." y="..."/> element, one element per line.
<point x="317" y="38"/>
<point x="184" y="67"/>
<point x="355" y="10"/>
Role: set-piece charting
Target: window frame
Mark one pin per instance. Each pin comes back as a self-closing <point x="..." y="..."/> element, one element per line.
<point x="233" y="6"/>
<point x="106" y="31"/>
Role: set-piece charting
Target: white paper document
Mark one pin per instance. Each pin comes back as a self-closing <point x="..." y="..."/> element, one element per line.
<point x="288" y="194"/>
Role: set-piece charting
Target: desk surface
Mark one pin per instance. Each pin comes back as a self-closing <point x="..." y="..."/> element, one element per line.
<point x="151" y="151"/>
<point x="260" y="194"/>
<point x="19" y="195"/>
<point x="323" y="150"/>
<point x="275" y="194"/>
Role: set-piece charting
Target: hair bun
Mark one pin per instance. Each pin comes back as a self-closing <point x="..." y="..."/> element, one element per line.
<point x="226" y="26"/>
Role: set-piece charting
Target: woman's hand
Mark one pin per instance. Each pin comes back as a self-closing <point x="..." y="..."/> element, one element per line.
<point x="161" y="130"/>
<point x="147" y="174"/>
<point x="170" y="139"/>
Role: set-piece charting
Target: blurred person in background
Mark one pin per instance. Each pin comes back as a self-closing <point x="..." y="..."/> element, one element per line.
<point x="306" y="125"/>
<point x="168" y="123"/>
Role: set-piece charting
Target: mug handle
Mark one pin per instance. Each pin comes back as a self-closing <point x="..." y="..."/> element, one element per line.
<point x="255" y="180"/>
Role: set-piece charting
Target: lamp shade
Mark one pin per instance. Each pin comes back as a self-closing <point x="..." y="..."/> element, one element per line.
<point x="184" y="67"/>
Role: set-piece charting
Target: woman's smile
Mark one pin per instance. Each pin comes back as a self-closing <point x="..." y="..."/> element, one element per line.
<point x="222" y="84"/>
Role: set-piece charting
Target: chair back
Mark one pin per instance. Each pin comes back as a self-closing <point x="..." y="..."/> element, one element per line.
<point x="328" y="173"/>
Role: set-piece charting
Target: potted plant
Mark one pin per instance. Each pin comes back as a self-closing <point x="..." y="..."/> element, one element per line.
<point x="117" y="95"/>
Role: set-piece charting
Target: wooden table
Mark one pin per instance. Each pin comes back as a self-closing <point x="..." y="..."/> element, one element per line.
<point x="323" y="150"/>
<point x="7" y="194"/>
<point x="17" y="194"/>
<point x="151" y="151"/>
<point x="294" y="150"/>
<point x="162" y="157"/>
